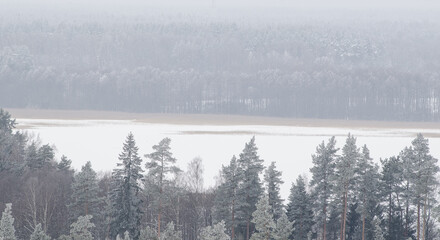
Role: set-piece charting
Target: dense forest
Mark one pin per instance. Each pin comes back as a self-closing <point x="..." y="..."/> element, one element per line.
<point x="348" y="68"/>
<point x="349" y="195"/>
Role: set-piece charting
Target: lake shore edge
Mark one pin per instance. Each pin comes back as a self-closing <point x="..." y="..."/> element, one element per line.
<point x="213" y="119"/>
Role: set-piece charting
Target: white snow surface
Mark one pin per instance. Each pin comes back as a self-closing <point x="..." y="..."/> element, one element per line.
<point x="100" y="141"/>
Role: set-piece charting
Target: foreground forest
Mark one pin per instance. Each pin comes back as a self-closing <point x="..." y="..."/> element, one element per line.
<point x="149" y="197"/>
<point x="313" y="67"/>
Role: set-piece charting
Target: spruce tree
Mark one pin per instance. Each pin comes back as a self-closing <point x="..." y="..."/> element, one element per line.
<point x="125" y="195"/>
<point x="85" y="193"/>
<point x="39" y="234"/>
<point x="250" y="189"/>
<point x="7" y="124"/>
<point x="284" y="228"/>
<point x="299" y="210"/>
<point x="263" y="220"/>
<point x="322" y="182"/>
<point x="272" y="178"/>
<point x="161" y="164"/>
<point x="226" y="197"/>
<point x="344" y="176"/>
<point x="80" y="230"/>
<point x="7" y="230"/>
<point x="215" y="232"/>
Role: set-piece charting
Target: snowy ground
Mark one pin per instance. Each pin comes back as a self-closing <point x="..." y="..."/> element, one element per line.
<point x="100" y="141"/>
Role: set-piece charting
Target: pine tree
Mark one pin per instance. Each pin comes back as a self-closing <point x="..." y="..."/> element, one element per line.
<point x="170" y="233"/>
<point x="7" y="230"/>
<point x="64" y="164"/>
<point x="344" y="176"/>
<point x="425" y="170"/>
<point x="263" y="220"/>
<point x="39" y="234"/>
<point x="80" y="230"/>
<point x="299" y="209"/>
<point x="273" y="181"/>
<point x="125" y="195"/>
<point x="284" y="228"/>
<point x="250" y="166"/>
<point x="85" y="193"/>
<point x="391" y="191"/>
<point x="215" y="232"/>
<point x="161" y="164"/>
<point x="322" y="181"/>
<point x="226" y="198"/>
<point x="367" y="185"/>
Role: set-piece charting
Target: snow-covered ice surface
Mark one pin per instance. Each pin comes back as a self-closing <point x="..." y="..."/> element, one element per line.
<point x="100" y="141"/>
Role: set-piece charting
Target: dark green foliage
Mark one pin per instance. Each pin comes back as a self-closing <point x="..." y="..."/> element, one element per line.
<point x="250" y="189"/>
<point x="126" y="190"/>
<point x="299" y="210"/>
<point x="272" y="178"/>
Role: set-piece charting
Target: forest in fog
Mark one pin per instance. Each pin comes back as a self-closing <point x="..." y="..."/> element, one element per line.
<point x="343" y="67"/>
<point x="148" y="197"/>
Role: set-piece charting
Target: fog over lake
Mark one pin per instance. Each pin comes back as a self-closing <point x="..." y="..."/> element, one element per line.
<point x="100" y="141"/>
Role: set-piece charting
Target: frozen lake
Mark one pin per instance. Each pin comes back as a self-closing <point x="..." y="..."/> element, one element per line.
<point x="291" y="147"/>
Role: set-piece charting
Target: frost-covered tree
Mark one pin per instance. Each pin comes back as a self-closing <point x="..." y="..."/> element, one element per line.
<point x="170" y="233"/>
<point x="322" y="182"/>
<point x="85" y="193"/>
<point x="250" y="189"/>
<point x="284" y="228"/>
<point x="125" y="195"/>
<point x="344" y="176"/>
<point x="272" y="178"/>
<point x="64" y="164"/>
<point x="7" y="230"/>
<point x="148" y="233"/>
<point x="39" y="234"/>
<point x="299" y="210"/>
<point x="366" y="188"/>
<point x="226" y="197"/>
<point x="425" y="171"/>
<point x="263" y="220"/>
<point x="378" y="233"/>
<point x="127" y="235"/>
<point x="161" y="165"/>
<point x="80" y="230"/>
<point x="6" y="122"/>
<point x="215" y="232"/>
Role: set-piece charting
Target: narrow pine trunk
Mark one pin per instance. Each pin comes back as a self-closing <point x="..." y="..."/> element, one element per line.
<point x="424" y="219"/>
<point x="418" y="220"/>
<point x="233" y="218"/>
<point x="345" y="213"/>
<point x="363" y="227"/>
<point x="247" y="229"/>
<point x="325" y="223"/>
<point x="158" y="215"/>
<point x="344" y="200"/>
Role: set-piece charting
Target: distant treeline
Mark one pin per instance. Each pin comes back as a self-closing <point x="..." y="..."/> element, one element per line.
<point x="382" y="70"/>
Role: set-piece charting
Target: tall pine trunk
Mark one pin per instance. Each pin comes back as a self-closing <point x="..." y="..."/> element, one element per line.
<point x="233" y="219"/>
<point x="418" y="220"/>
<point x="325" y="223"/>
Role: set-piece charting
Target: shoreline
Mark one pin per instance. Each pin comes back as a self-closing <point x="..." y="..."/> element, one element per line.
<point x="212" y="119"/>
